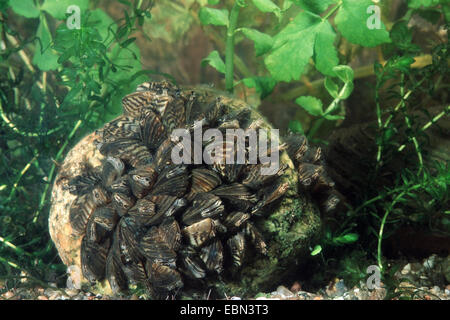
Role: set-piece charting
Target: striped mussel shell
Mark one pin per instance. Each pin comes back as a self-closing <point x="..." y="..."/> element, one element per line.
<point x="148" y="221"/>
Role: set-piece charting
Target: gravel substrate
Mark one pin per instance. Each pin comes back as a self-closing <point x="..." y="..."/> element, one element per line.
<point x="425" y="280"/>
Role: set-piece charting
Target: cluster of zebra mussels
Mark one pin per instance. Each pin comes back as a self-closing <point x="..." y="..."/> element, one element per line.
<point x="146" y="220"/>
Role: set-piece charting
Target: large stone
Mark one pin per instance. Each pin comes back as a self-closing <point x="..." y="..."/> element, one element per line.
<point x="289" y="229"/>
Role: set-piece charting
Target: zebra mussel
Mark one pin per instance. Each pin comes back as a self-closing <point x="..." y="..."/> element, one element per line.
<point x="146" y="220"/>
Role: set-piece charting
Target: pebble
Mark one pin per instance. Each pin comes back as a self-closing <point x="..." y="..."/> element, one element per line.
<point x="284" y="292"/>
<point x="8" y="295"/>
<point x="406" y="269"/>
<point x="72" y="292"/>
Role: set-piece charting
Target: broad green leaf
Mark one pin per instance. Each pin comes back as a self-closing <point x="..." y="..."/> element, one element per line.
<point x="296" y="127"/>
<point x="296" y="44"/>
<point x="44" y="57"/>
<point x="317" y="249"/>
<point x="263" y="42"/>
<point x="215" y="61"/>
<point x="217" y="17"/>
<point x="25" y="8"/>
<point x="263" y="85"/>
<point x="314" y="5"/>
<point x="267" y="6"/>
<point x="415" y="4"/>
<point x="345" y="73"/>
<point x="312" y="105"/>
<point x="58" y="8"/>
<point x="325" y="53"/>
<point x="353" y="21"/>
<point x="213" y="2"/>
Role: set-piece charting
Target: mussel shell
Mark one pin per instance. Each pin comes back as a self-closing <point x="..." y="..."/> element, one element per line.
<point x="166" y="205"/>
<point x="212" y="256"/>
<point x="270" y="194"/>
<point x="141" y="180"/>
<point x="134" y="103"/>
<point x="237" y="195"/>
<point x="256" y="238"/>
<point x="106" y="217"/>
<point x="121" y="127"/>
<point x="112" y="170"/>
<point x="153" y="131"/>
<point x="93" y="259"/>
<point x="164" y="279"/>
<point x="85" y="182"/>
<point x="173" y="180"/>
<point x="132" y="151"/>
<point x="235" y="220"/>
<point x="174" y="115"/>
<point x="144" y="212"/>
<point x="204" y="205"/>
<point x="156" y="247"/>
<point x="129" y="234"/>
<point x="116" y="276"/>
<point x="191" y="264"/>
<point x="122" y="202"/>
<point x="237" y="247"/>
<point x="80" y="211"/>
<point x="203" y="180"/>
<point x="254" y="179"/>
<point x="200" y="232"/>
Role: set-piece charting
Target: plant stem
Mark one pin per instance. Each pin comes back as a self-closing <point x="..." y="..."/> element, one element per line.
<point x="229" y="50"/>
<point x="52" y="170"/>
<point x="332" y="11"/>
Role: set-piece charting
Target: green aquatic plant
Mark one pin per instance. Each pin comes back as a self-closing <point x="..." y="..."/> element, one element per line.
<point x="56" y="85"/>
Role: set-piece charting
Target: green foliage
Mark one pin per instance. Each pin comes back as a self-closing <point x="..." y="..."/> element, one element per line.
<point x="44" y="112"/>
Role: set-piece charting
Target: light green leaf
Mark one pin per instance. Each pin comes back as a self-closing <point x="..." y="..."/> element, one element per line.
<point x="314" y="5"/>
<point x="345" y="73"/>
<point x="311" y="104"/>
<point x="317" y="249"/>
<point x="353" y="20"/>
<point x="58" y="8"/>
<point x="325" y="53"/>
<point x="217" y="17"/>
<point x="333" y="117"/>
<point x="286" y="5"/>
<point x="296" y="44"/>
<point x="267" y="6"/>
<point x="331" y="87"/>
<point x="213" y="2"/>
<point x="346" y="239"/>
<point x="296" y="127"/>
<point x="44" y="57"/>
<point x="25" y="8"/>
<point x="263" y="85"/>
<point x="215" y="61"/>
<point x="263" y="42"/>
